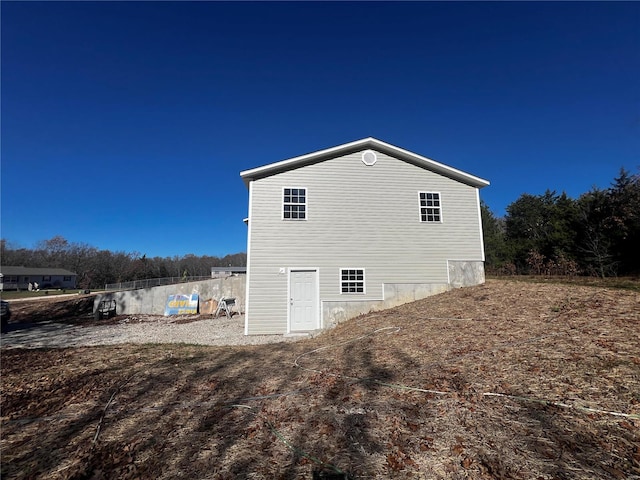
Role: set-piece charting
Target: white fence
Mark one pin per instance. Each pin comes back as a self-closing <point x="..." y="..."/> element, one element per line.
<point x="152" y="282"/>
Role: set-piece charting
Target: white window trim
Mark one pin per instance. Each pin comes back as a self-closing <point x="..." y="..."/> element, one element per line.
<point x="364" y="281"/>
<point x="306" y="205"/>
<point x="420" y="207"/>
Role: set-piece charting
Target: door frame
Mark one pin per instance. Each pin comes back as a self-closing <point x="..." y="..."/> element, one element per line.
<point x="316" y="270"/>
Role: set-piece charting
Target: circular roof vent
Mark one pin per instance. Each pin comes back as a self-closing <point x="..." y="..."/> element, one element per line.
<point x="369" y="157"/>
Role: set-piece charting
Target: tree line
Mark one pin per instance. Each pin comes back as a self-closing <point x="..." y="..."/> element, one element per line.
<point x="96" y="268"/>
<point x="596" y="234"/>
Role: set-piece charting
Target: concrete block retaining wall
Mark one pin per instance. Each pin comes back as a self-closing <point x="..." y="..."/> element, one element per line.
<point x="152" y="301"/>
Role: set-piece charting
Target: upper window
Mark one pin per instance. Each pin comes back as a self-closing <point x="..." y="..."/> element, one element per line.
<point x="430" y="208"/>
<point x="294" y="204"/>
<point x="351" y="280"/>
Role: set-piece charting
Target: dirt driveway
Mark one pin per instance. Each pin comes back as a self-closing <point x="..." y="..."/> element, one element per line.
<point x="139" y="329"/>
<point x="67" y="321"/>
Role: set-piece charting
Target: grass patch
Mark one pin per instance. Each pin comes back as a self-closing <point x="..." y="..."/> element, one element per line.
<point x="15" y="295"/>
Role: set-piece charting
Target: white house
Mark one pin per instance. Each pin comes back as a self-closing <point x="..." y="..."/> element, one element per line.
<point x="354" y="228"/>
<point x="221" y="272"/>
<point x="19" y="278"/>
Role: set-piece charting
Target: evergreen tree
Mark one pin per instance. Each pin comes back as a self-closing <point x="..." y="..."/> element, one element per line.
<point x="593" y="234"/>
<point x="497" y="254"/>
<point x="540" y="230"/>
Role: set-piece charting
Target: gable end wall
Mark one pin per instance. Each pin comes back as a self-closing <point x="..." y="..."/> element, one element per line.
<point x="358" y="216"/>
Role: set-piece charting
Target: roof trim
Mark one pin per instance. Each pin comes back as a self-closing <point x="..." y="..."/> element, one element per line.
<point x="273" y="168"/>
<point x="20" y="270"/>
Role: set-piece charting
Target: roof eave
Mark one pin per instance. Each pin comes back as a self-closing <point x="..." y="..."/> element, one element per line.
<point x="370" y="142"/>
<point x="295" y="162"/>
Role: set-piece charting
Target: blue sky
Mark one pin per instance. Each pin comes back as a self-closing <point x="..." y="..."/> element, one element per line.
<point x="125" y="124"/>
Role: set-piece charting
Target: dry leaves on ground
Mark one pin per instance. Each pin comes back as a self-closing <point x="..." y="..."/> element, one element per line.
<point x="504" y="380"/>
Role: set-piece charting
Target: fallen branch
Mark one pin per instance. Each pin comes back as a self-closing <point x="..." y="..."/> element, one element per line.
<point x="562" y="405"/>
<point x="106" y="407"/>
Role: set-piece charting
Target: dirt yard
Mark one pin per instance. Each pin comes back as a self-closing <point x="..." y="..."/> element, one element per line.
<point x="505" y="380"/>
<point x="57" y="308"/>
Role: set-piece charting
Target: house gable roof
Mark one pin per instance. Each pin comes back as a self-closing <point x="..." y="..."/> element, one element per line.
<point x="365" y="143"/>
<point x="12" y="270"/>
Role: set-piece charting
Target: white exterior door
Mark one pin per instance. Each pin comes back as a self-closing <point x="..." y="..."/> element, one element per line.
<point x="303" y="300"/>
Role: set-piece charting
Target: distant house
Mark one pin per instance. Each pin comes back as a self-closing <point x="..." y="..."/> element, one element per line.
<point x="218" y="272"/>
<point x="18" y="278"/>
<point x="357" y="227"/>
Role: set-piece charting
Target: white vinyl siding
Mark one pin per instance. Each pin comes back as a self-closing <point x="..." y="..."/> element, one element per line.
<point x="375" y="230"/>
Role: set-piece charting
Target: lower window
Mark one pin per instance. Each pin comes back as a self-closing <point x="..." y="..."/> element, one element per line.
<point x="351" y="280"/>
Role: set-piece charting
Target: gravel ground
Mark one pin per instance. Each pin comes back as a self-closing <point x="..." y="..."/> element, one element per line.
<point x="136" y="329"/>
